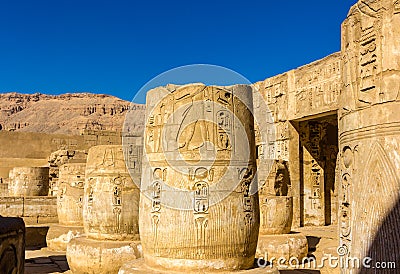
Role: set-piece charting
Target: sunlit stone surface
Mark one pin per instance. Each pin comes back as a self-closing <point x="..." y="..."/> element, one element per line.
<point x="29" y="181"/>
<point x="111" y="197"/>
<point x="199" y="202"/>
<point x="110" y="215"/>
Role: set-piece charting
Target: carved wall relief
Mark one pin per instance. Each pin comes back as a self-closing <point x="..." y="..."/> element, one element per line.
<point x="317" y="86"/>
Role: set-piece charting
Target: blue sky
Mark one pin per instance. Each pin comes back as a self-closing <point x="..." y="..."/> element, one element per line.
<point x="116" y="47"/>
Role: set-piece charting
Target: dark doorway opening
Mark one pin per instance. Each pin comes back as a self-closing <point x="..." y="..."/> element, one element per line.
<point x="318" y="149"/>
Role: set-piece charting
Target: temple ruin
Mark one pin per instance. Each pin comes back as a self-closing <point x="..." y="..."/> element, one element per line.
<point x="223" y="175"/>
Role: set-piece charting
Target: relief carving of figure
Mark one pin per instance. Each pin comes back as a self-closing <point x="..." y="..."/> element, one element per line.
<point x="281" y="185"/>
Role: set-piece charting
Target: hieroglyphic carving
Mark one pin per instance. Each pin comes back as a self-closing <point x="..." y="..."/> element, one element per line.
<point x="29" y="181"/>
<point x="246" y="176"/>
<point x="200" y="208"/>
<point x="203" y="150"/>
<point x="156" y="197"/>
<point x="89" y="190"/>
<point x="117" y="203"/>
<point x="282" y="141"/>
<point x="111" y="196"/>
<point x="274" y="93"/>
<point x="368" y="64"/>
<point x="396" y="6"/>
<point x="224" y="122"/>
<point x="201" y="197"/>
<point x="108" y="158"/>
<point x="156" y="190"/>
<point x="315" y="170"/>
<point x="347" y="169"/>
<point x="133" y="158"/>
<point x="317" y="86"/>
<point x="316" y="185"/>
<point x="154" y="124"/>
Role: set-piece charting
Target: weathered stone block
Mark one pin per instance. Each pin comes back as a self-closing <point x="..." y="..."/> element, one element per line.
<point x="12" y="245"/>
<point x="276" y="214"/>
<point x="288" y="246"/>
<point x="70" y="194"/>
<point x="59" y="236"/>
<point x="88" y="256"/>
<point x="29" y="181"/>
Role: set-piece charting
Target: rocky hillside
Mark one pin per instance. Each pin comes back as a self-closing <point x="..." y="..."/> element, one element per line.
<point x="69" y="113"/>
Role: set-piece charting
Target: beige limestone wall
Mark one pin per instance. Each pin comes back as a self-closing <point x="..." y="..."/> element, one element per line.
<point x="34" y="210"/>
<point x="308" y="92"/>
<point x="34" y="149"/>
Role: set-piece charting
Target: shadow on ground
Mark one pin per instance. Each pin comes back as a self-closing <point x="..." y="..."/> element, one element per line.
<point x="312" y="243"/>
<point x="44" y="265"/>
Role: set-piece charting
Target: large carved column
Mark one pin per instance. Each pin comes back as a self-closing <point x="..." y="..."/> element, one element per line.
<point x="369" y="125"/>
<point x="69" y="206"/>
<point x="199" y="203"/>
<point x="276" y="214"/>
<point x="110" y="214"/>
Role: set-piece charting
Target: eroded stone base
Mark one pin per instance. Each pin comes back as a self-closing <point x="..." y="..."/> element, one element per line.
<point x="139" y="266"/>
<point x="59" y="236"/>
<point x="100" y="257"/>
<point x="287" y="246"/>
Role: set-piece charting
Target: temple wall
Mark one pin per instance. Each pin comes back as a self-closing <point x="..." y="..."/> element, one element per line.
<point x="34" y="210"/>
<point x="308" y="92"/>
<point x="33" y="149"/>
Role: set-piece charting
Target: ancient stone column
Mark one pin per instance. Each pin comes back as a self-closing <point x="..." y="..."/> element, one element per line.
<point x="70" y="196"/>
<point x="276" y="207"/>
<point x="111" y="196"/>
<point x="69" y="206"/>
<point x="276" y="214"/>
<point x="29" y="181"/>
<point x="110" y="214"/>
<point x="199" y="202"/>
<point x="369" y="133"/>
<point x="275" y="239"/>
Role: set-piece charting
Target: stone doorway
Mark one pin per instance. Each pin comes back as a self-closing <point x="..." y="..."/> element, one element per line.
<point x="318" y="148"/>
